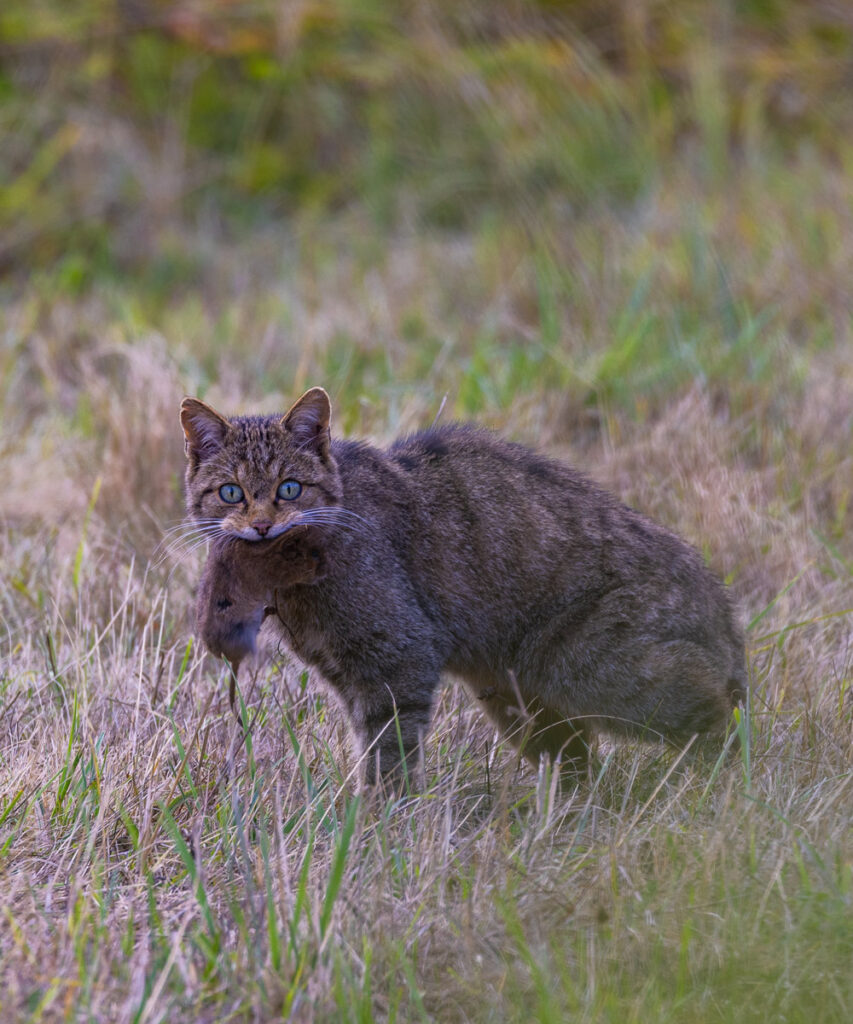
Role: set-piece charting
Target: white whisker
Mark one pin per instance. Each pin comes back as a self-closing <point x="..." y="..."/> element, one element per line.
<point x="175" y="543"/>
<point x="189" y="524"/>
<point x="345" y="511"/>
<point x="339" y="524"/>
<point x="187" y="542"/>
<point x="334" y="515"/>
<point x="188" y="529"/>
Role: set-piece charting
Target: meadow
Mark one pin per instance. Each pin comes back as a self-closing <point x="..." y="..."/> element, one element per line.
<point x="625" y="238"/>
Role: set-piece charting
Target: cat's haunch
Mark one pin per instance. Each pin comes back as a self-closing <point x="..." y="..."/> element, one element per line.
<point x="562" y="610"/>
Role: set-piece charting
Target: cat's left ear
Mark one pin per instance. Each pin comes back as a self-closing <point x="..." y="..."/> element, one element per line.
<point x="204" y="428"/>
<point x="309" y="419"/>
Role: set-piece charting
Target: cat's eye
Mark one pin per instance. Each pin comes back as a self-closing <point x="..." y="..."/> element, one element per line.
<point x="289" y="490"/>
<point x="231" y="493"/>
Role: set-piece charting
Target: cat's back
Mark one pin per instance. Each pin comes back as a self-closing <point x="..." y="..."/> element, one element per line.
<point x="476" y="519"/>
<point x="492" y="502"/>
<point x="501" y="484"/>
<point x="488" y="466"/>
<point x="462" y="470"/>
<point x="501" y="511"/>
<point x="523" y="501"/>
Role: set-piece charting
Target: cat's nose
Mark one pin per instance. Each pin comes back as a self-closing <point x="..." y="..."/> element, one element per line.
<point x="262" y="526"/>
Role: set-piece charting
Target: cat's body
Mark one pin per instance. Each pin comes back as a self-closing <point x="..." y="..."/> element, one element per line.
<point x="562" y="610"/>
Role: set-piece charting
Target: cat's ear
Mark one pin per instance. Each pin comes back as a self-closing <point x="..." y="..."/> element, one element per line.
<point x="204" y="428"/>
<point x="308" y="421"/>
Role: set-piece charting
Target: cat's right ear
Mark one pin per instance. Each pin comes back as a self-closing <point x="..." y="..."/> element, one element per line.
<point x="204" y="429"/>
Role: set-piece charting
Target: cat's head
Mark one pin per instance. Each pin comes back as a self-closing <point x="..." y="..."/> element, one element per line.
<point x="256" y="477"/>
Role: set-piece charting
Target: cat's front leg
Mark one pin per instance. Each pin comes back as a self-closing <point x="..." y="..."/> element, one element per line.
<point x="391" y="733"/>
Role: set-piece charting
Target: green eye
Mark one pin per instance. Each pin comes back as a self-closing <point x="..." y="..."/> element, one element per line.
<point x="231" y="493"/>
<point x="289" y="490"/>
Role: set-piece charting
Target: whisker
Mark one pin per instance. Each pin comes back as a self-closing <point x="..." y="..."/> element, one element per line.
<point x="329" y="520"/>
<point x="198" y="544"/>
<point x="186" y="552"/>
<point x="191" y="524"/>
<point x="334" y="513"/>
<point x="174" y="543"/>
<point x="307" y="517"/>
<point x="184" y="538"/>
<point x="188" y="528"/>
<point x="185" y="545"/>
<point x="194" y="527"/>
<point x="322" y="523"/>
<point x="344" y="511"/>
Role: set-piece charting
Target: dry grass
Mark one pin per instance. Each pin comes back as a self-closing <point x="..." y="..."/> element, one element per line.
<point x="152" y="869"/>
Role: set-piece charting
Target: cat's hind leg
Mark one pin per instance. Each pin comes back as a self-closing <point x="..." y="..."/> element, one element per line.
<point x="676" y="689"/>
<point x="537" y="730"/>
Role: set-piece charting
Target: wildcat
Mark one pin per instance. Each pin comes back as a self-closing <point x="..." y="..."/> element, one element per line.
<point x="562" y="610"/>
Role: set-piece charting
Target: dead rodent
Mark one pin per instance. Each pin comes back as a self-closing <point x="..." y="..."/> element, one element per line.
<point x="238" y="584"/>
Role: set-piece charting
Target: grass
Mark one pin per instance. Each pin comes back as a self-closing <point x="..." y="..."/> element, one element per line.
<point x="691" y="350"/>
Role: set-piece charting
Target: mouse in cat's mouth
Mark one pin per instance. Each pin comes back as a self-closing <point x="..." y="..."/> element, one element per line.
<point x="236" y="592"/>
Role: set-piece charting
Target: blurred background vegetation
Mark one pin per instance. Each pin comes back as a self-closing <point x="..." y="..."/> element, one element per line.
<point x="563" y="216"/>
<point x="134" y="131"/>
